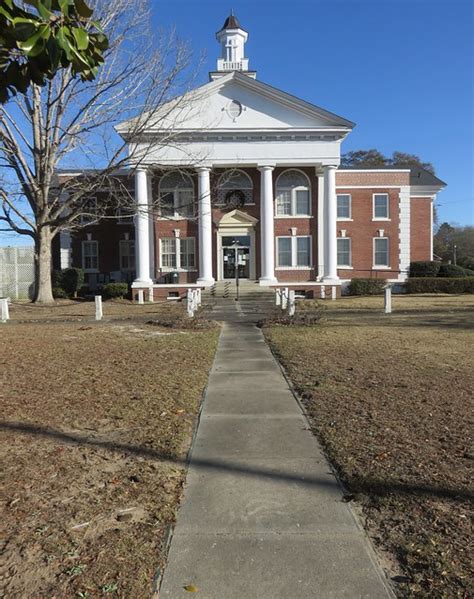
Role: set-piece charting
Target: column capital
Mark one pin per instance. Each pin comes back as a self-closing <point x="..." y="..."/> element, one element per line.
<point x="266" y="167"/>
<point x="203" y="169"/>
<point x="330" y="166"/>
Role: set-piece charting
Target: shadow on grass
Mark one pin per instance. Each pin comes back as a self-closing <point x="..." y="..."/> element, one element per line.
<point x="460" y="320"/>
<point x="367" y="485"/>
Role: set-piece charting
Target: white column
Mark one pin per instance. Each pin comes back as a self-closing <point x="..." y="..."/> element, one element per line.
<point x="321" y="220"/>
<point x="142" y="230"/>
<point x="267" y="229"/>
<point x="205" y="228"/>
<point x="330" y="214"/>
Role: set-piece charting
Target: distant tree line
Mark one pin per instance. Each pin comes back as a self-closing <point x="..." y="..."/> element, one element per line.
<point x="455" y="244"/>
<point x="374" y="157"/>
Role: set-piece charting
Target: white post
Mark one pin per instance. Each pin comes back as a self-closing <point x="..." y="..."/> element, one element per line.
<point x="291" y="303"/>
<point x="189" y="303"/>
<point x="5" y="312"/>
<point x="98" y="307"/>
<point x="388" y="299"/>
<point x="330" y="233"/>
<point x="267" y="231"/>
<point x="151" y="297"/>
<point x="323" y="292"/>
<point x="142" y="228"/>
<point x="333" y="292"/>
<point x="278" y="297"/>
<point x="284" y="298"/>
<point x="141" y="296"/>
<point x="199" y="297"/>
<point x="205" y="228"/>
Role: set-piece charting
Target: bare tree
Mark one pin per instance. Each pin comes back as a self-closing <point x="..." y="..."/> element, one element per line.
<point x="69" y="123"/>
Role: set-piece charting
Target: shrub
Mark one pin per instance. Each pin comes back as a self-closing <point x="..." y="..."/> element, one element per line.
<point x="440" y="285"/>
<point x="113" y="290"/>
<point x="467" y="262"/>
<point x="72" y="279"/>
<point x="451" y="270"/>
<point x="424" y="268"/>
<point x="181" y="321"/>
<point x="367" y="286"/>
<point x="59" y="293"/>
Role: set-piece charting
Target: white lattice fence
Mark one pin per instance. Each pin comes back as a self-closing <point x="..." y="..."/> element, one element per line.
<point x="17" y="272"/>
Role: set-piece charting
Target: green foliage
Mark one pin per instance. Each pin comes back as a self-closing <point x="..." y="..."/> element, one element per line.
<point x="112" y="290"/>
<point x="447" y="238"/>
<point x="59" y="293"/>
<point x="72" y="279"/>
<point x="373" y="157"/>
<point x="426" y="268"/>
<point x="451" y="270"/>
<point x="34" y="45"/>
<point x="467" y="262"/>
<point x="367" y="286"/>
<point x="440" y="285"/>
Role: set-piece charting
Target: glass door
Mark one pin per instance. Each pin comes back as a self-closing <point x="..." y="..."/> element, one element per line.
<point x="236" y="257"/>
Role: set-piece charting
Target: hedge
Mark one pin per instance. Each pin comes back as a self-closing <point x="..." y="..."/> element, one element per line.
<point x="451" y="270"/>
<point x="424" y="268"/>
<point x="440" y="285"/>
<point x="70" y="280"/>
<point x="367" y="286"/>
<point x="112" y="290"/>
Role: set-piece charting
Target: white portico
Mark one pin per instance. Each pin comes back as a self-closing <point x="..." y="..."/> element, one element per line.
<point x="237" y="123"/>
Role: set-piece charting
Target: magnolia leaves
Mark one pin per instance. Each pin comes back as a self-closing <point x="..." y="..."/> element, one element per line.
<point x="55" y="34"/>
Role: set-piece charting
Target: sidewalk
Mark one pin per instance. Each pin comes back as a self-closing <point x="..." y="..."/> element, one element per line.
<point x="262" y="516"/>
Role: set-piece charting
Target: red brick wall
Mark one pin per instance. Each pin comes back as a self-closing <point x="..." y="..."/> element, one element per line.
<point x="372" y="178"/>
<point x="362" y="229"/>
<point x="420" y="229"/>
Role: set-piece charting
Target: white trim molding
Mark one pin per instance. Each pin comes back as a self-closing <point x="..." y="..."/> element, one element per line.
<point x="404" y="232"/>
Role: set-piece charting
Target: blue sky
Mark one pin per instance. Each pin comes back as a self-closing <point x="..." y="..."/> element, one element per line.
<point x="401" y="69"/>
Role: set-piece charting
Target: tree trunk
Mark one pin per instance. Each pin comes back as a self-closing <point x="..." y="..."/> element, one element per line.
<point x="44" y="290"/>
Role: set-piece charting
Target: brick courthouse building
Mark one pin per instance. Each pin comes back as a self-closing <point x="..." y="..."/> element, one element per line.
<point x="256" y="165"/>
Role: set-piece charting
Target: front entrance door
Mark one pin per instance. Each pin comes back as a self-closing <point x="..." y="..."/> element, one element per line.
<point x="236" y="257"/>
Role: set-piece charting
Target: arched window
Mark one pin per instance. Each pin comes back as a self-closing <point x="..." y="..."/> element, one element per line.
<point x="176" y="195"/>
<point x="234" y="187"/>
<point x="293" y="194"/>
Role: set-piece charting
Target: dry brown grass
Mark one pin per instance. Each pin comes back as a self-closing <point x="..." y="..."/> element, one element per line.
<point x="390" y="397"/>
<point x="97" y="419"/>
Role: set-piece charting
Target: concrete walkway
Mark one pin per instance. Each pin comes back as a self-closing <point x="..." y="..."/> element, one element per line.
<point x="262" y="516"/>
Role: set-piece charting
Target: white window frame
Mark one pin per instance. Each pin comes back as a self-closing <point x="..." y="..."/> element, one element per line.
<point x="381" y="218"/>
<point x="381" y="266"/>
<point x="178" y="267"/>
<point x="176" y="191"/>
<point x="345" y="266"/>
<point x="124" y="218"/>
<point x="293" y="195"/>
<point x="92" y="242"/>
<point x="345" y="218"/>
<point x="130" y="243"/>
<point x="294" y="252"/>
<point x="221" y="186"/>
<point x="91" y="220"/>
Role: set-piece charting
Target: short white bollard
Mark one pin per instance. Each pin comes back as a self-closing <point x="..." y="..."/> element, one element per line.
<point x="141" y="296"/>
<point x="333" y="292"/>
<point x="388" y="299"/>
<point x="278" y="297"/>
<point x="5" y="312"/>
<point x="98" y="307"/>
<point x="291" y="303"/>
<point x="199" y="297"/>
<point x="284" y="298"/>
<point x="151" y="297"/>
<point x="323" y="292"/>
<point x="190" y="303"/>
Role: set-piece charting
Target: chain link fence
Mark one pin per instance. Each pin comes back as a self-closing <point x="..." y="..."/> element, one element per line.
<point x="17" y="272"/>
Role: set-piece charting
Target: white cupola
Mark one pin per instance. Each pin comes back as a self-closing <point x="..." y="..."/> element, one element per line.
<point x="232" y="39"/>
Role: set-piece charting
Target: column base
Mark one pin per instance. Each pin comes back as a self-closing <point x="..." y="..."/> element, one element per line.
<point x="331" y="280"/>
<point x="267" y="281"/>
<point x="142" y="283"/>
<point x="206" y="282"/>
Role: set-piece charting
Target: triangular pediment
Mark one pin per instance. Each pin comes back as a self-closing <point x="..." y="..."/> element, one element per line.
<point x="238" y="102"/>
<point x="237" y="218"/>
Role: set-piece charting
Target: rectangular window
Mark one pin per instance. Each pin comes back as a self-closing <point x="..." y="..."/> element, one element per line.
<point x="125" y="216"/>
<point x="303" y="251"/>
<point x="283" y="203"/>
<point x="187" y="252"/>
<point x="302" y="202"/>
<point x="89" y="211"/>
<point x="185" y="203"/>
<point x="127" y="255"/>
<point x="90" y="255"/>
<point x="344" y="206"/>
<point x="168" y="253"/>
<point x="381" y="205"/>
<point x="381" y="257"/>
<point x="344" y="257"/>
<point x="284" y="251"/>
